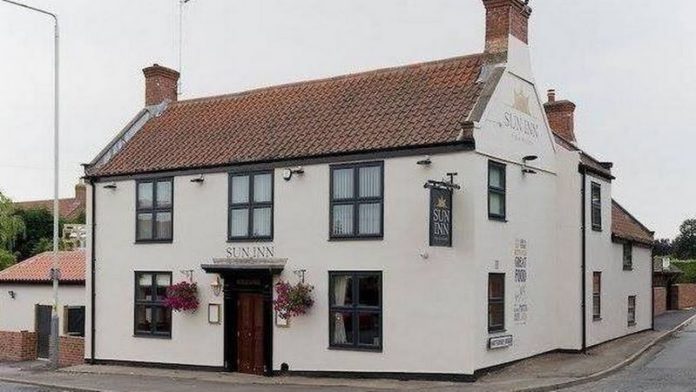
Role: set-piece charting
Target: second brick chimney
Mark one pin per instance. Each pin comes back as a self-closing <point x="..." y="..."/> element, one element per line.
<point x="561" y="115"/>
<point x="505" y="18"/>
<point x="160" y="84"/>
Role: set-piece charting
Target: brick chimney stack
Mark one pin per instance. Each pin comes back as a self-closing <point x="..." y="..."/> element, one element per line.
<point x="160" y="84"/>
<point x="505" y="18"/>
<point x="561" y="115"/>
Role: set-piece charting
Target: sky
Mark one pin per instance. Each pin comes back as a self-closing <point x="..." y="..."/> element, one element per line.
<point x="628" y="65"/>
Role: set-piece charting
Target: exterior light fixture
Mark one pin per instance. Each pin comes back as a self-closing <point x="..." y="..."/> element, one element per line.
<point x="12" y="294"/>
<point x="111" y="186"/>
<point x="198" y="180"/>
<point x="525" y="160"/>
<point x="288" y="172"/>
<point x="424" y="162"/>
<point x="216" y="286"/>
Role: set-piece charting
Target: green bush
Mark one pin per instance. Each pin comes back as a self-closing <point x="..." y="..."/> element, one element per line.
<point x="689" y="268"/>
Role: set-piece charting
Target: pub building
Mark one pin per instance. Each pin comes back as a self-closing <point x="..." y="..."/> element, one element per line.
<point x="443" y="213"/>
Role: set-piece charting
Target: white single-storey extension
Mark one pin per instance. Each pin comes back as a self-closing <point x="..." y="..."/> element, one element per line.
<point x="442" y="212"/>
<point x="26" y="303"/>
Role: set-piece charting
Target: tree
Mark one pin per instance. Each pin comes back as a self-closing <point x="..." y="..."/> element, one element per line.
<point x="38" y="224"/>
<point x="10" y="227"/>
<point x="663" y="247"/>
<point x="684" y="245"/>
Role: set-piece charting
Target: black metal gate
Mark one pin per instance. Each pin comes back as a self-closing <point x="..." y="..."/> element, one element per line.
<point x="43" y="330"/>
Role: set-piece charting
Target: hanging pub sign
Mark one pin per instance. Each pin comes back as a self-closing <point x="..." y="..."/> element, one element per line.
<point x="440" y="217"/>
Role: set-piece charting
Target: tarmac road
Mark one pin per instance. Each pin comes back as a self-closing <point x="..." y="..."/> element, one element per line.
<point x="23" y="388"/>
<point x="669" y="367"/>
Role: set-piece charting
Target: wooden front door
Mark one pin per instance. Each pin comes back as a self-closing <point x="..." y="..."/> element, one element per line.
<point x="43" y="330"/>
<point x="250" y="331"/>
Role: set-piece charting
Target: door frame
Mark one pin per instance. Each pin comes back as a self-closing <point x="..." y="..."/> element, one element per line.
<point x="231" y="291"/>
<point x="37" y="328"/>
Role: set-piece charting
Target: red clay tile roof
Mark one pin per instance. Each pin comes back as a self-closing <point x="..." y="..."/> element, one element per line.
<point x="37" y="269"/>
<point x="415" y="105"/>
<point x="68" y="208"/>
<point x="626" y="226"/>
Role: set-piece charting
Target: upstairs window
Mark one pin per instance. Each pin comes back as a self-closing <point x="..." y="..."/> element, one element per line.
<point x="596" y="207"/>
<point x="154" y="205"/>
<point x="496" y="191"/>
<point x="250" y="206"/>
<point x="496" y="302"/>
<point x="596" y="296"/>
<point x="152" y="317"/>
<point x="627" y="256"/>
<point x="631" y="310"/>
<point x="357" y="201"/>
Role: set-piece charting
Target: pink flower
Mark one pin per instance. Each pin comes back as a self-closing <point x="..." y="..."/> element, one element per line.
<point x="292" y="300"/>
<point x="182" y="297"/>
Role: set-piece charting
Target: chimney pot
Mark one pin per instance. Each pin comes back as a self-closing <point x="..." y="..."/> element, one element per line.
<point x="505" y="18"/>
<point x="552" y="95"/>
<point x="160" y="84"/>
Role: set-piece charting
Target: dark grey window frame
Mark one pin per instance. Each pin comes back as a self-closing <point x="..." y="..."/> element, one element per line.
<point x="628" y="256"/>
<point x="356" y="201"/>
<point x="494" y="328"/>
<point x="250" y="205"/>
<point x="597" y="297"/>
<point x="355" y="308"/>
<point x="628" y="315"/>
<point x="154" y="303"/>
<point x="497" y="190"/>
<point x="69" y="319"/>
<point x="596" y="207"/>
<point x="153" y="210"/>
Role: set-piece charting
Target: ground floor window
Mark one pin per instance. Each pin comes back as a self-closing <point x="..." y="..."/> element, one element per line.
<point x="355" y="310"/>
<point x="74" y="321"/>
<point x="597" y="296"/>
<point x="496" y="302"/>
<point x="632" y="310"/>
<point x="152" y="317"/>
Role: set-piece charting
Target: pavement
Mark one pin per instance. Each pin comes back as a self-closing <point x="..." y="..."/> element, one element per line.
<point x="542" y="373"/>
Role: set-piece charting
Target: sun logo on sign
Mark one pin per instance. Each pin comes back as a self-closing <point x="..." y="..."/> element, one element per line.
<point x="441" y="203"/>
<point x="521" y="102"/>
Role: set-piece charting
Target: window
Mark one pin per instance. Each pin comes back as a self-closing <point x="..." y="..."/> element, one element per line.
<point x="496" y="302"/>
<point x="631" y="310"/>
<point x="154" y="210"/>
<point x="357" y="201"/>
<point x="355" y="310"/>
<point x="596" y="296"/>
<point x="74" y="321"/>
<point x="596" y="207"/>
<point x="627" y="256"/>
<point x="250" y="213"/>
<point x="496" y="191"/>
<point x="152" y="317"/>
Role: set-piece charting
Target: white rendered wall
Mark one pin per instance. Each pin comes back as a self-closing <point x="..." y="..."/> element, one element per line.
<point x="19" y="314"/>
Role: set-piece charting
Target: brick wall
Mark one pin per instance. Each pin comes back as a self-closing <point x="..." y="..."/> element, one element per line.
<point x="660" y="300"/>
<point x="684" y="295"/>
<point x="17" y="346"/>
<point x="72" y="351"/>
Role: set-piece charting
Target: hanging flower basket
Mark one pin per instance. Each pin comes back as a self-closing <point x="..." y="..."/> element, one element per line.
<point x="292" y="300"/>
<point x="182" y="297"/>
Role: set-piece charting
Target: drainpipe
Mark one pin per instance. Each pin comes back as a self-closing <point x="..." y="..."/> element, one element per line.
<point x="93" y="276"/>
<point x="583" y="278"/>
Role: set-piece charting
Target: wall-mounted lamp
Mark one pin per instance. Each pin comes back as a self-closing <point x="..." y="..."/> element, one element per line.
<point x="111" y="185"/>
<point x="198" y="180"/>
<point x="12" y="294"/>
<point x="525" y="160"/>
<point x="300" y="274"/>
<point x="216" y="285"/>
<point x="288" y="172"/>
<point x="425" y="161"/>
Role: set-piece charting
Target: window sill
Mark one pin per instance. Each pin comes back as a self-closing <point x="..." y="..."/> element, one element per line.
<point x="355" y="348"/>
<point x="152" y="336"/>
<point x="596" y="318"/>
<point x="633" y="324"/>
<point x="357" y="238"/>
<point x="247" y="239"/>
<point x="628" y="268"/>
<point x="497" y="331"/>
<point x="140" y="242"/>
<point x="496" y="218"/>
<point x="597" y="229"/>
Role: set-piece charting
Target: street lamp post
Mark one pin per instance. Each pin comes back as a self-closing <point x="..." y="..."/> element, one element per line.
<point x="55" y="271"/>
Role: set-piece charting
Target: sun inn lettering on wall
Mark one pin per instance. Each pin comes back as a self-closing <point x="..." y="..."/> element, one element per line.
<point x="250" y="252"/>
<point x="520" y="305"/>
<point x="519" y="119"/>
